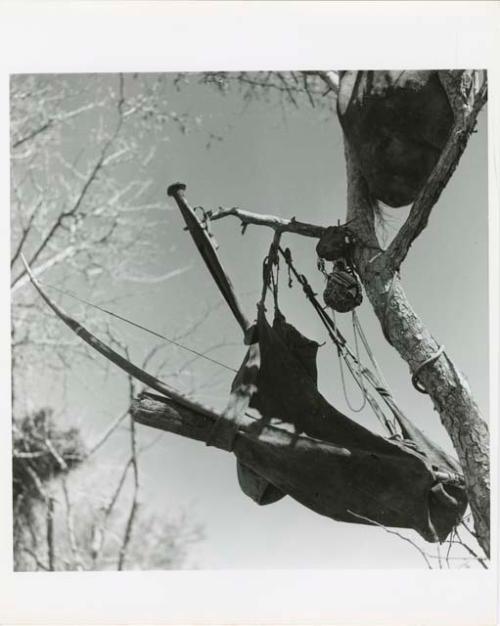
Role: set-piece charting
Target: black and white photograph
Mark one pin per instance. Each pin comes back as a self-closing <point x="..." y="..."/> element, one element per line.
<point x="142" y="306"/>
<point x="250" y="321"/>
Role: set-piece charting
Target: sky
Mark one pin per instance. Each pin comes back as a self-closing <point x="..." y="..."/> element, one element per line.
<point x="288" y="164"/>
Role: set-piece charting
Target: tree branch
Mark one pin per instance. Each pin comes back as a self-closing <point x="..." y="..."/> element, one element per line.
<point x="474" y="554"/>
<point x="100" y="528"/>
<point x="403" y="329"/>
<point x="331" y="80"/>
<point x="277" y="223"/>
<point x="398" y="534"/>
<point x="50" y="533"/>
<point x="32" y="134"/>
<point x="166" y="414"/>
<point x="92" y="176"/>
<point x="107" y="433"/>
<point x="60" y="256"/>
<point x="465" y="121"/>
<point x="25" y="232"/>
<point x="135" y="496"/>
<point x="33" y="555"/>
<point x="71" y="528"/>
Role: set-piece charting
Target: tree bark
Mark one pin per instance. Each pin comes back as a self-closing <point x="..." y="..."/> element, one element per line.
<point x="379" y="272"/>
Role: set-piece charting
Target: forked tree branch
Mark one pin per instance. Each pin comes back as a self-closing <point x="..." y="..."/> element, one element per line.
<point x="466" y="111"/>
<point x="403" y="329"/>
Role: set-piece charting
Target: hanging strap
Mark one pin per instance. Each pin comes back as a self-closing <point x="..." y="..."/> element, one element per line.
<point x="269" y="281"/>
<point x="355" y="368"/>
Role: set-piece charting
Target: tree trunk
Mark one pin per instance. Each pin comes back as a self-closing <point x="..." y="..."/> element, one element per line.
<point x="445" y="385"/>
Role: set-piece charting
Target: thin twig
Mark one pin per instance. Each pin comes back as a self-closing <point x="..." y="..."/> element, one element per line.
<point x="74" y="210"/>
<point x="99" y="532"/>
<point x="50" y="533"/>
<point x="31" y="135"/>
<point x="331" y="80"/>
<point x="288" y="90"/>
<point x="50" y="447"/>
<point x="470" y="550"/>
<point x="37" y="481"/>
<point x="25" y="232"/>
<point x="468" y="529"/>
<point x="33" y="555"/>
<point x="107" y="433"/>
<point x="135" y="497"/>
<point x="450" y="543"/>
<point x="394" y="532"/>
<point x="71" y="529"/>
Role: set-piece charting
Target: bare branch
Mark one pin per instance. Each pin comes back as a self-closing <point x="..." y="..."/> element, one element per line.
<point x="107" y="433"/>
<point x="60" y="256"/>
<point x="70" y="527"/>
<point x="32" y="134"/>
<point x="34" y="556"/>
<point x="51" y="448"/>
<point x="36" y="481"/>
<point x="331" y="80"/>
<point x="277" y="223"/>
<point x="59" y="221"/>
<point x="288" y="90"/>
<point x="25" y="232"/>
<point x="135" y="470"/>
<point x="395" y="532"/>
<point x="99" y="531"/>
<point x="148" y="279"/>
<point x="446" y="165"/>
<point x="135" y="498"/>
<point x="404" y="330"/>
<point x="470" y="550"/>
<point x="50" y="533"/>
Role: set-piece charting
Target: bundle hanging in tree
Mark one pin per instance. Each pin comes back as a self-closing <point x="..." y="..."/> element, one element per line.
<point x="332" y="464"/>
<point x="335" y="243"/>
<point x="363" y="477"/>
<point x="397" y="123"/>
<point x="381" y="480"/>
<point x="343" y="291"/>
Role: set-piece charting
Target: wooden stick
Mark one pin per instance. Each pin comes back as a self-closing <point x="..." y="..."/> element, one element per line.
<point x="277" y="223"/>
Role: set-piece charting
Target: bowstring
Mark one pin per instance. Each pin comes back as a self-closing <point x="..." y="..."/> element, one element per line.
<point x="141" y="327"/>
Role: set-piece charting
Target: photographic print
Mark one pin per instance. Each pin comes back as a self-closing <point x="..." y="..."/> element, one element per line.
<point x="249" y="320"/>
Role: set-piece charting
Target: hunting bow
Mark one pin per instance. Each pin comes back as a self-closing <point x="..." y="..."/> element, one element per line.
<point x="113" y="356"/>
<point x="209" y="254"/>
<point x="168" y="393"/>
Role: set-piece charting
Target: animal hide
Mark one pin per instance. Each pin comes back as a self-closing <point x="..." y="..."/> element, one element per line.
<point x="343" y="470"/>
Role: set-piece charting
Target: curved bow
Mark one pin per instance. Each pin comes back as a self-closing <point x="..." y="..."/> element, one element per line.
<point x="116" y="358"/>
